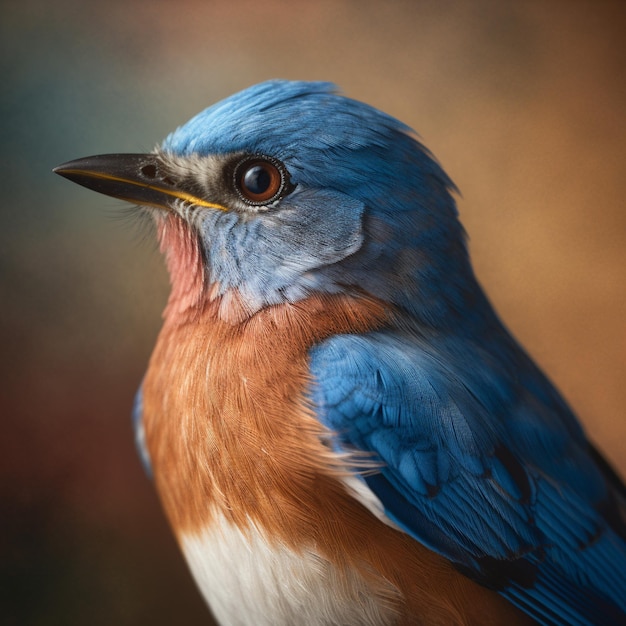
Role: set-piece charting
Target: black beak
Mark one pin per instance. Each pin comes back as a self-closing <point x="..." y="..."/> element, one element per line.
<point x="136" y="178"/>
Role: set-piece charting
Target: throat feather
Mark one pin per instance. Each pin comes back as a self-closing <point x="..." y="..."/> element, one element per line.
<point x="185" y="264"/>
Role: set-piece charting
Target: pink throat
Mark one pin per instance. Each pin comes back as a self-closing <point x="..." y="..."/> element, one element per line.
<point x="185" y="265"/>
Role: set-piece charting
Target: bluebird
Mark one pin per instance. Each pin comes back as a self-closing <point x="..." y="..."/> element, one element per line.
<point x="340" y="428"/>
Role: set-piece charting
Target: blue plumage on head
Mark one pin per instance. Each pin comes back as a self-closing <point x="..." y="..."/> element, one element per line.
<point x="371" y="175"/>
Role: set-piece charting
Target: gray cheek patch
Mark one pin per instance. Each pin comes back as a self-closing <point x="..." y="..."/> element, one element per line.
<point x="274" y="256"/>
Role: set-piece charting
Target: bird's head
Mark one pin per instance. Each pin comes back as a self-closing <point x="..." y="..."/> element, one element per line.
<point x="288" y="189"/>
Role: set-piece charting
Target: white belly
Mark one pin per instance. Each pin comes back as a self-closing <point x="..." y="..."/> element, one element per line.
<point x="249" y="582"/>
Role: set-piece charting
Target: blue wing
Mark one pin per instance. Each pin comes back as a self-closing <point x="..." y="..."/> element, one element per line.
<point x="483" y="462"/>
<point x="140" y="438"/>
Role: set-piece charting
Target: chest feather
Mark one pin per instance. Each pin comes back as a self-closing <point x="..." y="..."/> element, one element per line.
<point x="256" y="496"/>
<point x="226" y="415"/>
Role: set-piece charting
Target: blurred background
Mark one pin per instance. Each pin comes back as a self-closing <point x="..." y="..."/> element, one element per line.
<point x="523" y="102"/>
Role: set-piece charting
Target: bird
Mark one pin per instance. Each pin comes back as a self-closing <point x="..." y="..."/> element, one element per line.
<point x="340" y="428"/>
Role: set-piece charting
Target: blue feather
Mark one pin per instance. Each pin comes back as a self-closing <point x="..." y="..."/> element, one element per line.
<point x="140" y="439"/>
<point x="503" y="509"/>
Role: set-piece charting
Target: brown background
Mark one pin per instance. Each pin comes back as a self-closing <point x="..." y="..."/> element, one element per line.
<point x="524" y="104"/>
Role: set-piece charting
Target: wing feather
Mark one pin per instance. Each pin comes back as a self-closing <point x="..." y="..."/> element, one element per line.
<point x="486" y="467"/>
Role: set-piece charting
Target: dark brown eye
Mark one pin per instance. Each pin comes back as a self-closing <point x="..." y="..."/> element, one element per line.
<point x="259" y="180"/>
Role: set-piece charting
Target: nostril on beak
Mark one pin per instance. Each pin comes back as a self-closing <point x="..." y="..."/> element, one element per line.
<point x="149" y="170"/>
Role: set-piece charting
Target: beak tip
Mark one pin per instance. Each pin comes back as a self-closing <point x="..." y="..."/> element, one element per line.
<point x="63" y="168"/>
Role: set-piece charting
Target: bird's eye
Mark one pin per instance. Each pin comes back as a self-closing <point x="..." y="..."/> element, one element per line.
<point x="260" y="180"/>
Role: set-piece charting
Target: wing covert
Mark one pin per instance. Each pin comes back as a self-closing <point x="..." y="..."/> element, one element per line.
<point x="490" y="470"/>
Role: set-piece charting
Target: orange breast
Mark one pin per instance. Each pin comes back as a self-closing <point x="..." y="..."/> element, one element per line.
<point x="230" y="431"/>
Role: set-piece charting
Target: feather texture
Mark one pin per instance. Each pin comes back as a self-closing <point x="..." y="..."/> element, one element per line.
<point x="246" y="452"/>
